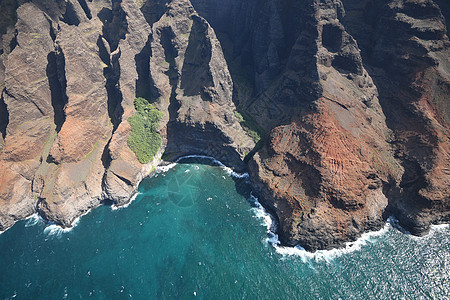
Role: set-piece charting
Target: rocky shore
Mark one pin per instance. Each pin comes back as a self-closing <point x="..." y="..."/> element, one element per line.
<point x="338" y="109"/>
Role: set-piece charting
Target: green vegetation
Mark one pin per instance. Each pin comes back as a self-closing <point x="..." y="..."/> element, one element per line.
<point x="144" y="140"/>
<point x="250" y="126"/>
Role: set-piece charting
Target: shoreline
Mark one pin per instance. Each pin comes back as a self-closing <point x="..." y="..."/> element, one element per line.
<point x="268" y="220"/>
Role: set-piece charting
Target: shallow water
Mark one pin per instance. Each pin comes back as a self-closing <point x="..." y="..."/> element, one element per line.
<point x="194" y="231"/>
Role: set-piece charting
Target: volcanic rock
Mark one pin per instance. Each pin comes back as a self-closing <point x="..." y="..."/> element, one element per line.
<point x="338" y="109"/>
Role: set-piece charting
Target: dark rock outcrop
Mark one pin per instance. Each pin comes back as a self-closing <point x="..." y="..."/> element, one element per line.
<point x="350" y="98"/>
<point x="409" y="56"/>
<point x="323" y="171"/>
<point x="194" y="85"/>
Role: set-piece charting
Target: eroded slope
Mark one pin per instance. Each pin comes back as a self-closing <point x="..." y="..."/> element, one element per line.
<point x="339" y="109"/>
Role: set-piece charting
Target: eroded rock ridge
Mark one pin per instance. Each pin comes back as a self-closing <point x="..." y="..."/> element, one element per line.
<point x="338" y="109"/>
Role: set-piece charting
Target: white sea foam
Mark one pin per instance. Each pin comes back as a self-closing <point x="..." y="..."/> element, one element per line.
<point x="202" y="157"/>
<point x="117" y="207"/>
<point x="215" y="161"/>
<point x="261" y="213"/>
<point x="327" y="255"/>
<point x="33" y="220"/>
<point x="163" y="169"/>
<point x="57" y="230"/>
<point x="228" y="170"/>
<point x="267" y="221"/>
<point x="53" y="229"/>
<point x="240" y="175"/>
<point x="439" y="227"/>
<point x="433" y="230"/>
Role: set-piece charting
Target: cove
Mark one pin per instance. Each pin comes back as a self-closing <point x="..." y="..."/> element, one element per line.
<point x="195" y="232"/>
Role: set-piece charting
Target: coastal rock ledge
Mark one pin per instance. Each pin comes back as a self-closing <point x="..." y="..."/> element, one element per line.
<point x="338" y="109"/>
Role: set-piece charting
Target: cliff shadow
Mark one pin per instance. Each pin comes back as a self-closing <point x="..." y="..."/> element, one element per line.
<point x="145" y="86"/>
<point x="196" y="75"/>
<point x="4" y="116"/>
<point x="55" y="72"/>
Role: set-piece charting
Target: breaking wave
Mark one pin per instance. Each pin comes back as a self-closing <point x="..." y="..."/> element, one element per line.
<point x="269" y="222"/>
<point x="57" y="230"/>
<point x="33" y="220"/>
<point x="117" y="207"/>
<point x="272" y="238"/>
<point x="327" y="255"/>
<point x="162" y="169"/>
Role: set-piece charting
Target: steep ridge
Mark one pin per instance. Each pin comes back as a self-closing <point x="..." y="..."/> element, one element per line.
<point x="26" y="94"/>
<point x="337" y="108"/>
<point x="123" y="169"/>
<point x="193" y="83"/>
<point x="323" y="171"/>
<point x="408" y="50"/>
<point x="67" y="151"/>
<point x="330" y="202"/>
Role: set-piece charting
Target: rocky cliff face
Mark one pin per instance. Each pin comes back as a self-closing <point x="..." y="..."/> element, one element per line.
<point x="409" y="61"/>
<point x="350" y="100"/>
<point x="70" y="73"/>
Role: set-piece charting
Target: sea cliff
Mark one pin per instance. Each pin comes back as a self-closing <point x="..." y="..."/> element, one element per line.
<point x="338" y="109"/>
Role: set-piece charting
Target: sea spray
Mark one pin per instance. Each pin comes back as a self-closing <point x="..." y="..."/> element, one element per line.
<point x="33" y="220"/>
<point x="269" y="222"/>
<point x="433" y="230"/>
<point x="117" y="207"/>
<point x="439" y="227"/>
<point x="266" y="218"/>
<point x="326" y="255"/>
<point x="162" y="169"/>
<point x="213" y="247"/>
<point x="209" y="158"/>
<point x="29" y="221"/>
<point x="56" y="230"/>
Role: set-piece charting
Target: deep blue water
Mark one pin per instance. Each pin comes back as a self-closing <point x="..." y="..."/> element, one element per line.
<point x="195" y="232"/>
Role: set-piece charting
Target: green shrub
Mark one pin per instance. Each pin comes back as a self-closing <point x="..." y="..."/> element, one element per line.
<point x="250" y="126"/>
<point x="144" y="140"/>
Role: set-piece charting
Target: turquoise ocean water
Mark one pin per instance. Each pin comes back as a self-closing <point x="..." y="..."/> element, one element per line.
<point x="195" y="232"/>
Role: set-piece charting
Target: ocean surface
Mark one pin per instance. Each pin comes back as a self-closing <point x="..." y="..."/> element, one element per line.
<point x="194" y="231"/>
